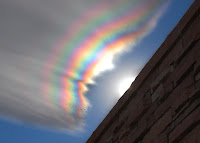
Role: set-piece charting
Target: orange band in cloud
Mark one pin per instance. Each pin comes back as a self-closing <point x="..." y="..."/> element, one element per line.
<point x="89" y="47"/>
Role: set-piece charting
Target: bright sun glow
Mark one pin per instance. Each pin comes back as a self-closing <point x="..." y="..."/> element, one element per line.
<point x="125" y="85"/>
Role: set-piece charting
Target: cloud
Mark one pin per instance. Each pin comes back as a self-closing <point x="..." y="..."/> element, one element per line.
<point x="51" y="50"/>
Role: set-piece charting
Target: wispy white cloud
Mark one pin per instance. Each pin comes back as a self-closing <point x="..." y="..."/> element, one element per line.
<point x="30" y="31"/>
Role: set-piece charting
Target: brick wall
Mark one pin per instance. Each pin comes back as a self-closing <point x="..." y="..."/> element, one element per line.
<point x="163" y="104"/>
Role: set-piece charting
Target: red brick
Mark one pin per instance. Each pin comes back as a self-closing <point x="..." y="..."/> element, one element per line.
<point x="181" y="96"/>
<point x="197" y="55"/>
<point x="158" y="127"/>
<point x="186" y="111"/>
<point x="193" y="136"/>
<point x="192" y="33"/>
<point x="124" y="140"/>
<point x="197" y="77"/>
<point x="151" y="109"/>
<point x="124" y="114"/>
<point x="158" y="92"/>
<point x="189" y="53"/>
<point x="181" y="71"/>
<point x="145" y="86"/>
<point x="175" y="99"/>
<point x="135" y="109"/>
<point x="120" y="130"/>
<point x="138" y="130"/>
<point x="174" y="54"/>
<point x="168" y="88"/>
<point x="150" y="120"/>
<point x="107" y="136"/>
<point x="147" y="100"/>
<point x="162" y="138"/>
<point x="124" y="133"/>
<point x="197" y="85"/>
<point x="184" y="127"/>
<point x="143" y="124"/>
<point x="190" y="91"/>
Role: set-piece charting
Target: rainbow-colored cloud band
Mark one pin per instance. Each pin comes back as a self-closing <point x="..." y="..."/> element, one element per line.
<point x="89" y="48"/>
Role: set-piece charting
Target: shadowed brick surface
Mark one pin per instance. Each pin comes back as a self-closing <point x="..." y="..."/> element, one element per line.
<point x="163" y="103"/>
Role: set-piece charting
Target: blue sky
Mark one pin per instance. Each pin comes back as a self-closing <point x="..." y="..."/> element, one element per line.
<point x="103" y="95"/>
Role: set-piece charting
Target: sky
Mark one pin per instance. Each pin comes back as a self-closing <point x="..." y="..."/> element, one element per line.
<point x="62" y="62"/>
